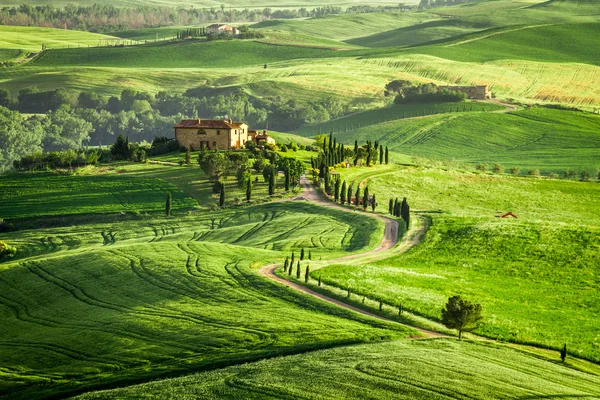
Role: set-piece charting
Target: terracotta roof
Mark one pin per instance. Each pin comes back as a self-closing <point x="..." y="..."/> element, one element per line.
<point x="208" y="123"/>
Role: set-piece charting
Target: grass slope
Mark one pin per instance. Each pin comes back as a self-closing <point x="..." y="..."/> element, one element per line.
<point x="206" y="3"/>
<point x="548" y="139"/>
<point x="528" y="273"/>
<point x="32" y="38"/>
<point x="432" y="369"/>
<point x="104" y="303"/>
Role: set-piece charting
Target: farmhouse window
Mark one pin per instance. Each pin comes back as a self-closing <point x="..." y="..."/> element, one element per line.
<point x="214" y="145"/>
<point x="218" y="131"/>
<point x="201" y="132"/>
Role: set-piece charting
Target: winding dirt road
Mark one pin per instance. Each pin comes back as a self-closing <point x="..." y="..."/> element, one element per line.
<point x="390" y="239"/>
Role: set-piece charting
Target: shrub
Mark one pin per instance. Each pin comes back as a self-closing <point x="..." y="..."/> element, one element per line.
<point x="483" y="167"/>
<point x="533" y="172"/>
<point x="7" y="251"/>
<point x="553" y="175"/>
<point x="515" y="171"/>
<point x="498" y="168"/>
<point x="584" y="176"/>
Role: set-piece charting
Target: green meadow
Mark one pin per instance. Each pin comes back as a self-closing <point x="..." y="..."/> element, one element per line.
<point x="100" y="301"/>
<point x="535" y="276"/>
<point x="538" y="138"/>
<point x="426" y="369"/>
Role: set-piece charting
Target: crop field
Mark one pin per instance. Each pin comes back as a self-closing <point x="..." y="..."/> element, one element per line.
<point x="393" y="112"/>
<point x="528" y="273"/>
<point x="97" y="303"/>
<point x="32" y="38"/>
<point x="46" y="194"/>
<point x="430" y="369"/>
<point x="551" y="140"/>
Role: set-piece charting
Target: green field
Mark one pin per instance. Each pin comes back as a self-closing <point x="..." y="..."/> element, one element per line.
<point x="547" y="139"/>
<point x="32" y="38"/>
<point x="94" y="304"/>
<point x="205" y="3"/>
<point x="430" y="369"/>
<point x="528" y="273"/>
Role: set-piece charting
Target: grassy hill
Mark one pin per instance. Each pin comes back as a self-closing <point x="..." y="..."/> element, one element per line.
<point x="101" y="300"/>
<point x="431" y="369"/>
<point x="528" y="273"/>
<point x="32" y="38"/>
<point x="205" y="3"/>
<point x="548" y="139"/>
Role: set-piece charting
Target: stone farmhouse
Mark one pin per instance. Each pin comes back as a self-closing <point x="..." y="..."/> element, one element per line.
<point x="480" y="92"/>
<point x="216" y="29"/>
<point x="217" y="134"/>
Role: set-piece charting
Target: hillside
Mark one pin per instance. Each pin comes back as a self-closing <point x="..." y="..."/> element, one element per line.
<point x="415" y="369"/>
<point x="551" y="140"/>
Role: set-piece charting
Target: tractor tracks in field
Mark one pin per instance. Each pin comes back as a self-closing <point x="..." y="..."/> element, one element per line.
<point x="390" y="239"/>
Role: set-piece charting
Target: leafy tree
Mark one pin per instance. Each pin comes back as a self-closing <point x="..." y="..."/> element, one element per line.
<point x="120" y="149"/>
<point x="343" y="191"/>
<point x="584" y="176"/>
<point x="222" y="196"/>
<point x="168" y="204"/>
<point x="461" y="315"/>
<point x="515" y="171"/>
<point x="563" y="351"/>
<point x="90" y="100"/>
<point x="306" y="274"/>
<point x="366" y="198"/>
<point x="7" y="251"/>
<point x="18" y="136"/>
<point x="5" y="98"/>
<point x="248" y="190"/>
<point x="215" y="164"/>
<point x="483" y="167"/>
<point x="497" y="168"/>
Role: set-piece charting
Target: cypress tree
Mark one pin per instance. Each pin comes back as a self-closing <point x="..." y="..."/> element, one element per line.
<point x="298" y="270"/>
<point x="380" y="305"/>
<point x="319" y="280"/>
<point x="391" y="207"/>
<point x="272" y="182"/>
<point x="336" y="194"/>
<point x="331" y="141"/>
<point x="302" y="254"/>
<point x="356" y="160"/>
<point x="222" y="196"/>
<point x="168" y="204"/>
<point x="293" y="256"/>
<point x="349" y="199"/>
<point x="249" y="190"/>
<point x="287" y="179"/>
<point x="290" y="268"/>
<point x="407" y="216"/>
<point x="310" y="255"/>
<point x="348" y="295"/>
<point x="343" y="193"/>
<point x="286" y="264"/>
<point x="369" y="157"/>
<point x="366" y="198"/>
<point x="403" y="208"/>
<point x="400" y="309"/>
<point x="306" y="274"/>
<point x="387" y="159"/>
<point x="355" y="147"/>
<point x="396" y="208"/>
<point x="380" y="155"/>
<point x="373" y="203"/>
<point x="563" y="353"/>
<point x="357" y="196"/>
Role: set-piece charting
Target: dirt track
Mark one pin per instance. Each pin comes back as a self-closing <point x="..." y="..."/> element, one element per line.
<point x="390" y="239"/>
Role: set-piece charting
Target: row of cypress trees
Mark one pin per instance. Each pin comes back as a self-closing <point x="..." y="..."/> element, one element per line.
<point x="400" y="209"/>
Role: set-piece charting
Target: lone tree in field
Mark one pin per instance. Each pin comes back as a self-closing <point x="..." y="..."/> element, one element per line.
<point x="168" y="204"/>
<point x="248" y="190"/>
<point x="7" y="251"/>
<point x="563" y="353"/>
<point x="222" y="196"/>
<point x="461" y="315"/>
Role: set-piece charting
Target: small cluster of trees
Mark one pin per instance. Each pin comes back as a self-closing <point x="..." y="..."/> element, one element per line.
<point x="288" y="265"/>
<point x="58" y="160"/>
<point x="405" y="91"/>
<point x="497" y="168"/>
<point x="400" y="209"/>
<point x="427" y="4"/>
<point x="6" y="250"/>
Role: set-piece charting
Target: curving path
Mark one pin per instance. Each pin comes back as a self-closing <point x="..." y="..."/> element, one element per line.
<point x="390" y="239"/>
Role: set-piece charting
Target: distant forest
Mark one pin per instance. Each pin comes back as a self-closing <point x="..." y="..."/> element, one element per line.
<point x="107" y="18"/>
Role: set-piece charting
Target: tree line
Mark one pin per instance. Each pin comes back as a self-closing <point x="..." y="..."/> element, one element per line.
<point x="108" y="18"/>
<point x="405" y="91"/>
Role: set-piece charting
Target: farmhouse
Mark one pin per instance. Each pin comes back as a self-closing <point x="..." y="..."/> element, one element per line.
<point x="216" y="29"/>
<point x="260" y="137"/>
<point x="480" y="92"/>
<point x="211" y="134"/>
